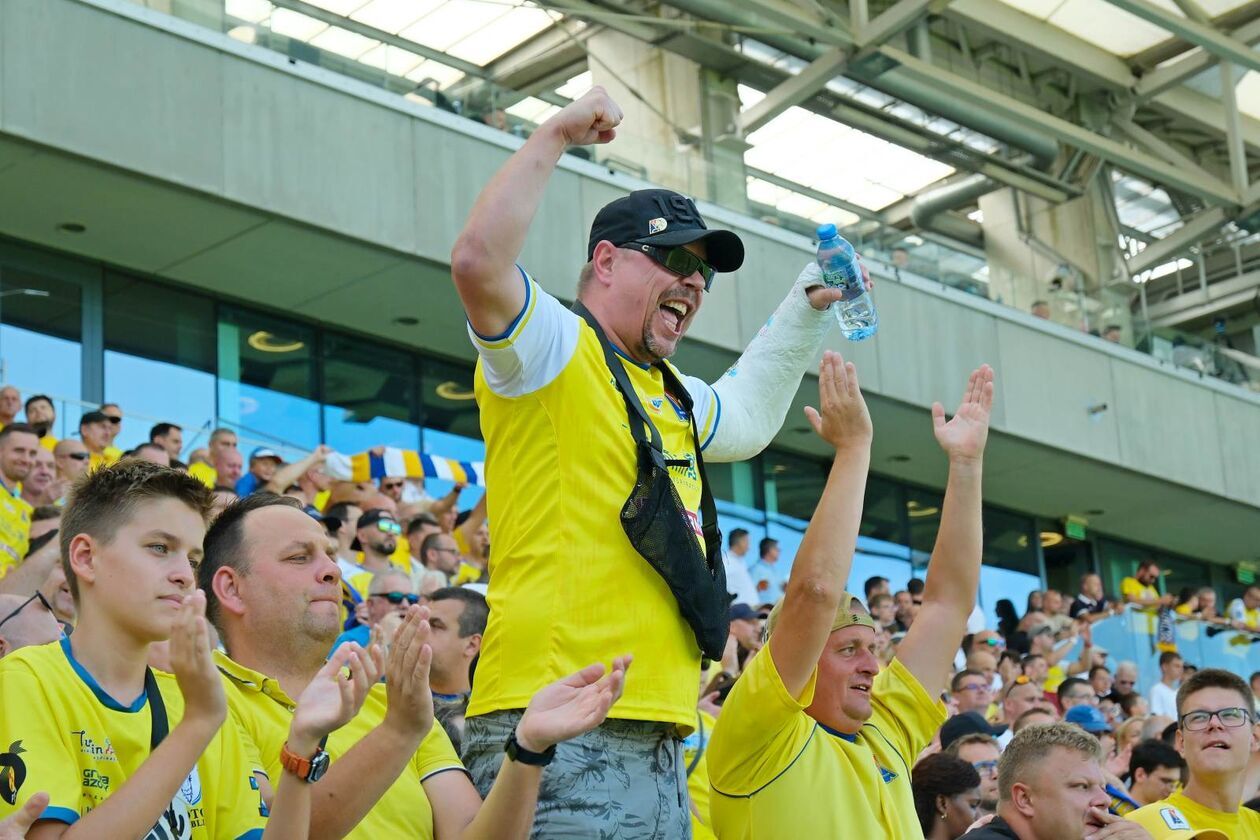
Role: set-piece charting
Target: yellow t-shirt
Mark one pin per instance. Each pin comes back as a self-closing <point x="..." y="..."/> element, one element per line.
<point x="64" y="735"/>
<point x="106" y="457"/>
<point x="48" y="442"/>
<point x="567" y="587"/>
<point x="263" y="711"/>
<point x="204" y="473"/>
<point x="467" y="573"/>
<point x="15" y="530"/>
<point x="776" y="772"/>
<point x="1131" y="586"/>
<point x="698" y="778"/>
<point x="1174" y="815"/>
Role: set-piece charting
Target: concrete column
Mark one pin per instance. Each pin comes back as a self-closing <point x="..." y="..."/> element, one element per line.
<point x="1064" y="254"/>
<point x="666" y="97"/>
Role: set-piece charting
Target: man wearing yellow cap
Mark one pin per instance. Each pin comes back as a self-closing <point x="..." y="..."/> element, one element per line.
<point x="814" y="739"/>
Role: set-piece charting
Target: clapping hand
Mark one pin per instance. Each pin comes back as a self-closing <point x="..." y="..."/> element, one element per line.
<point x="964" y="436"/>
<point x="843" y="420"/>
<point x="332" y="699"/>
<point x="192" y="662"/>
<point x="410" y="709"/>
<point x="571" y="706"/>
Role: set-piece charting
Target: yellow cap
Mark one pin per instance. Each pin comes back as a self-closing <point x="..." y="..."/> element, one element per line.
<point x="847" y="614"/>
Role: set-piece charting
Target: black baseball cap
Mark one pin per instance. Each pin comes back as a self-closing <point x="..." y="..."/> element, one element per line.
<point x="667" y="219"/>
<point x="373" y="516"/>
<point x="968" y="723"/>
<point x="94" y="417"/>
<point x="744" y="612"/>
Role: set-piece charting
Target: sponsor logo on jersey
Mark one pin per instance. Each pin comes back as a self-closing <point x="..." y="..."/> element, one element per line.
<point x="100" y="752"/>
<point x="12" y="773"/>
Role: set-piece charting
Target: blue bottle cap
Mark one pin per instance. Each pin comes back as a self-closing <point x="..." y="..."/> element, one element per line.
<point x="825" y="232"/>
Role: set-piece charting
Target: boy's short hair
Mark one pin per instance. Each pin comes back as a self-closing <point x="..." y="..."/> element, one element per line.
<point x="104" y="499"/>
<point x="1214" y="678"/>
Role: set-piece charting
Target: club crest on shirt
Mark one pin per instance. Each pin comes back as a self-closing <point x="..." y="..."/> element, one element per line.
<point x="183" y="814"/>
<point x="1173" y="819"/>
<point x="12" y="773"/>
<point x="655" y="403"/>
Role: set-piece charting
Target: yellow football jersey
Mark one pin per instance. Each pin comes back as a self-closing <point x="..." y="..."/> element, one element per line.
<point x="15" y="529"/>
<point x="567" y="587"/>
<point x="204" y="473"/>
<point x="776" y="772"/>
<point x="264" y="712"/>
<point x="695" y="753"/>
<point x="1173" y="816"/>
<point x="61" y="733"/>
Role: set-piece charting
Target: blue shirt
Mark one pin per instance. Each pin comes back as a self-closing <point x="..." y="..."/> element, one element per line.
<point x="246" y="484"/>
<point x="360" y="633"/>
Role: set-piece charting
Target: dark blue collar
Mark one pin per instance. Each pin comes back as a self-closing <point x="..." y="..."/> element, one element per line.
<point x="90" y="681"/>
<point x="852" y="739"/>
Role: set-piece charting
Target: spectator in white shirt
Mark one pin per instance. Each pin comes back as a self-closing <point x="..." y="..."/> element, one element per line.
<point x="738" y="582"/>
<point x="1245" y="611"/>
<point x="1164" y="692"/>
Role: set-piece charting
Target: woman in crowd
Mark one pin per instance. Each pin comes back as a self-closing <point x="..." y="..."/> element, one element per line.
<point x="946" y="796"/>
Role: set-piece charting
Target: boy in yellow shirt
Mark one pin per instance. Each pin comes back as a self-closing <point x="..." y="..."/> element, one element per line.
<point x="1216" y="736"/>
<point x="815" y="740"/>
<point x="123" y="751"/>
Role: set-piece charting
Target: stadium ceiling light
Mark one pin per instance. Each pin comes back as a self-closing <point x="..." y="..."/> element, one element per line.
<point x="454" y="391"/>
<point x="1050" y="539"/>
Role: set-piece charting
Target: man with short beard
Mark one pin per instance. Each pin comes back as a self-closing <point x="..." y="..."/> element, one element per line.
<point x="273" y="591"/>
<point x="40" y="415"/>
<point x="18" y="445"/>
<point x="561" y="462"/>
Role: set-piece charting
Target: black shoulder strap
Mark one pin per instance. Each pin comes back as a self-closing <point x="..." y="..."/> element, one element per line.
<point x="708" y="510"/>
<point x="635" y="413"/>
<point x="695" y="759"/>
<point x="157" y="708"/>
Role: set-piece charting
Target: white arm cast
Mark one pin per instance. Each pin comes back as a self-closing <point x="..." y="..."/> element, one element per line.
<point x="757" y="391"/>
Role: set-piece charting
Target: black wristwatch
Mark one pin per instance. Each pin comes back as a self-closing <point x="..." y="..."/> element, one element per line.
<point x="515" y="752"/>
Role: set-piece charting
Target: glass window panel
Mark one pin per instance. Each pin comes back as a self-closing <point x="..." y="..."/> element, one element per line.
<point x="159" y="359"/>
<point x="452" y="426"/>
<point x="923" y="509"/>
<point x="881" y="513"/>
<point x="40" y="350"/>
<point x="370" y="396"/>
<point x="1118" y="560"/>
<point x="997" y="584"/>
<point x="267" y="380"/>
<point x="794" y="484"/>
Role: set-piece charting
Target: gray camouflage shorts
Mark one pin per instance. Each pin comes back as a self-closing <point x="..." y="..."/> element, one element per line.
<point x="625" y="780"/>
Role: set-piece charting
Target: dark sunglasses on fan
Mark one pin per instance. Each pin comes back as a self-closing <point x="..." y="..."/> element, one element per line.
<point x="398" y="597"/>
<point x="678" y="260"/>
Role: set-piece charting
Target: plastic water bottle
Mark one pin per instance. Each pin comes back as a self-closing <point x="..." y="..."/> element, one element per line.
<point x="855" y="310"/>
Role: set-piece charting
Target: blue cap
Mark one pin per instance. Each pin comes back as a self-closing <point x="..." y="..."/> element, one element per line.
<point x="827" y="231"/>
<point x="1088" y="718"/>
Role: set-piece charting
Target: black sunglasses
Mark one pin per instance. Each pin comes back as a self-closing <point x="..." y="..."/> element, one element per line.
<point x="27" y="603"/>
<point x="114" y="420"/>
<point x="678" y="260"/>
<point x="79" y="456"/>
<point x="398" y="597"/>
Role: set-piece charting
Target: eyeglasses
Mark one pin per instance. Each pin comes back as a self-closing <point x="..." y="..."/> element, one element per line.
<point x="678" y="260"/>
<point x="986" y="768"/>
<point x="114" y="420"/>
<point x="388" y="526"/>
<point x="391" y="485"/>
<point x="445" y="550"/>
<point x="398" y="597"/>
<point x="1233" y="717"/>
<point x="38" y="595"/>
<point x="977" y="687"/>
<point x="79" y="456"/>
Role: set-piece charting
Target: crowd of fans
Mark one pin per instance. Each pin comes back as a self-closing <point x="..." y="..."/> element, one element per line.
<point x="200" y="644"/>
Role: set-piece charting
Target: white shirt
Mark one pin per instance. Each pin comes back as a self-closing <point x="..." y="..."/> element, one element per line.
<point x="1163" y="700"/>
<point x="738" y="582"/>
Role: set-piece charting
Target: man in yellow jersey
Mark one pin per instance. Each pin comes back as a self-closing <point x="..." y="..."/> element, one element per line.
<point x="41" y="415"/>
<point x="273" y="581"/>
<point x="18" y="444"/>
<point x="1139" y="591"/>
<point x="1051" y="787"/>
<point x="569" y="582"/>
<point x="815" y="739"/>
<point x="1216" y="736"/>
<point x="122" y="751"/>
<point x="115" y="417"/>
<point x="221" y="442"/>
<point x="94" y="432"/>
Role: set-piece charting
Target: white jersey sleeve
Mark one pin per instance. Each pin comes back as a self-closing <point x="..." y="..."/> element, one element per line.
<point x="535" y="347"/>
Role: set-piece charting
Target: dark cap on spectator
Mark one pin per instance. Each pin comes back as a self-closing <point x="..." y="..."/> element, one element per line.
<point x="664" y="218"/>
<point x="373" y="516"/>
<point x="94" y="417"/>
<point x="968" y="723"/>
<point x="743" y="612"/>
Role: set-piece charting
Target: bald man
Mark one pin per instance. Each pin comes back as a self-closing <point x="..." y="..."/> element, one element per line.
<point x="25" y="622"/>
<point x="10" y="404"/>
